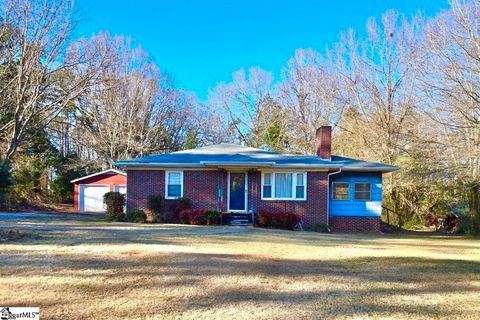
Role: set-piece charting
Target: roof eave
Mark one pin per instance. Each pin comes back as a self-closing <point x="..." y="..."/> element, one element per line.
<point x="205" y="164"/>
<point x="372" y="169"/>
<point x="237" y="164"/>
<point x="97" y="174"/>
<point x="307" y="166"/>
<point x="157" y="164"/>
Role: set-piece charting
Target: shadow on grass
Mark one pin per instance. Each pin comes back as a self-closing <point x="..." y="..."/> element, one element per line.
<point x="354" y="285"/>
<point x="344" y="287"/>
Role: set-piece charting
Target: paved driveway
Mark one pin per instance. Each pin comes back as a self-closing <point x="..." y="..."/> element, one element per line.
<point x="93" y="222"/>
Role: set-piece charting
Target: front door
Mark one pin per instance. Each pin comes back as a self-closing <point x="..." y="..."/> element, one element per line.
<point x="237" y="191"/>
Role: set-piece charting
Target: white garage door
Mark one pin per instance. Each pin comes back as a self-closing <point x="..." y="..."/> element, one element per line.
<point x="91" y="197"/>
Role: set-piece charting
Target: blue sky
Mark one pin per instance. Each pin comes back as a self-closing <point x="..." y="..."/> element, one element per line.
<point x="202" y="42"/>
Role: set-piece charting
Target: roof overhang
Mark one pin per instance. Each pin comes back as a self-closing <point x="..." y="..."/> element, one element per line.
<point x="126" y="164"/>
<point x="115" y="171"/>
<point x="226" y="164"/>
<point x="234" y="164"/>
<point x="373" y="169"/>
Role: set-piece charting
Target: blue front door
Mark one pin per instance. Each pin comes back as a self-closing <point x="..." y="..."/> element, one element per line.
<point x="237" y="191"/>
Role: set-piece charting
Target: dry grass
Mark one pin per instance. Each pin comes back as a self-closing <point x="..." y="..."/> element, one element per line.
<point x="260" y="274"/>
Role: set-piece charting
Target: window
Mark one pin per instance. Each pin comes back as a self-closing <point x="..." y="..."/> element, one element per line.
<point x="362" y="191"/>
<point x="300" y="186"/>
<point x="340" y="191"/>
<point x="174" y="184"/>
<point x="284" y="185"/>
<point x="267" y="185"/>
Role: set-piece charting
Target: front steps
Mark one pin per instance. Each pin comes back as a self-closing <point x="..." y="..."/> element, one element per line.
<point x="237" y="219"/>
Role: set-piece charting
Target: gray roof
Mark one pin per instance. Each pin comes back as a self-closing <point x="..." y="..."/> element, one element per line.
<point x="233" y="155"/>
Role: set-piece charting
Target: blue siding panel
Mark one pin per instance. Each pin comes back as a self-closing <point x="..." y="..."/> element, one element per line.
<point x="352" y="207"/>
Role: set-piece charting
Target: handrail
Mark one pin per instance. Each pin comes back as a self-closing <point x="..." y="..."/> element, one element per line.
<point x="388" y="209"/>
<point x="388" y="213"/>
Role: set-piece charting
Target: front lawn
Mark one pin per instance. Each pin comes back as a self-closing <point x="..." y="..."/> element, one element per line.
<point x="133" y="272"/>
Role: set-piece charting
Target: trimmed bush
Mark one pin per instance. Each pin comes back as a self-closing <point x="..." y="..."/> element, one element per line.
<point x="115" y="204"/>
<point x="154" y="212"/>
<point x="184" y="204"/>
<point x="184" y="216"/>
<point x="183" y="210"/>
<point x="213" y="216"/>
<point x="279" y="220"/>
<point x="136" y="215"/>
<point x="197" y="216"/>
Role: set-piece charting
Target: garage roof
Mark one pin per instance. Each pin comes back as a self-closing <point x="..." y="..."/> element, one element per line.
<point x="113" y="171"/>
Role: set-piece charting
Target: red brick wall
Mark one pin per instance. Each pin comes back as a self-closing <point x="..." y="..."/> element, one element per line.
<point x="202" y="188"/>
<point x="141" y="184"/>
<point x="355" y="224"/>
<point x="313" y="210"/>
<point x="113" y="180"/>
<point x="198" y="186"/>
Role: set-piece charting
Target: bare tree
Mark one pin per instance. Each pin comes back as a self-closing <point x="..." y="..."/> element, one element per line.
<point x="242" y="102"/>
<point x="379" y="80"/>
<point x="309" y="95"/>
<point x="135" y="109"/>
<point x="450" y="83"/>
<point x="42" y="77"/>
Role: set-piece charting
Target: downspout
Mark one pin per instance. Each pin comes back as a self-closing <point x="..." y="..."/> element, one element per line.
<point x="328" y="192"/>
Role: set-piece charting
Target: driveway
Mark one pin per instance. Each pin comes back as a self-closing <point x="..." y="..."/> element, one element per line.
<point x="93" y="222"/>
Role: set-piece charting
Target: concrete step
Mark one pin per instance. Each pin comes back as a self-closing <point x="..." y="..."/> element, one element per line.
<point x="237" y="219"/>
<point x="240" y="223"/>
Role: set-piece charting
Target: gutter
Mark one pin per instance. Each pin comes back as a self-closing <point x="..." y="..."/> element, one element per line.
<point x="328" y="192"/>
<point x="377" y="169"/>
<point x="158" y="164"/>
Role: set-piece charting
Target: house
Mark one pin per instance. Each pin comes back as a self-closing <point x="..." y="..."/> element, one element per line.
<point x="89" y="190"/>
<point x="344" y="193"/>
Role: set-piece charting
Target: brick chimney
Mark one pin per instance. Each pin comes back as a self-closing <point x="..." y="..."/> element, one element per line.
<point x="323" y="142"/>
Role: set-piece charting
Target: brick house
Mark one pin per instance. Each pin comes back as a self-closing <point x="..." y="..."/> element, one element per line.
<point x="342" y="192"/>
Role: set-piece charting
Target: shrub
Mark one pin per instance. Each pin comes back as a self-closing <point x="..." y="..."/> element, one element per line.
<point x="154" y="212"/>
<point x="465" y="226"/>
<point x="264" y="219"/>
<point x="5" y="185"/>
<point x="136" y="215"/>
<point x="115" y="203"/>
<point x="290" y="220"/>
<point x="183" y="210"/>
<point x="213" y="216"/>
<point x="184" y="204"/>
<point x="280" y="220"/>
<point x="320" y="227"/>
<point x="197" y="216"/>
<point x="451" y="223"/>
<point x="184" y="216"/>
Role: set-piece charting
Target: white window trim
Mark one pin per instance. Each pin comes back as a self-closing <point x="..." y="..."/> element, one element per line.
<point x="333" y="190"/>
<point x="370" y="191"/>
<point x="166" y="184"/>
<point x="294" y="186"/>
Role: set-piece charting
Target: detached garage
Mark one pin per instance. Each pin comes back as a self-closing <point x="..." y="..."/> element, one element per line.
<point x="89" y="190"/>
